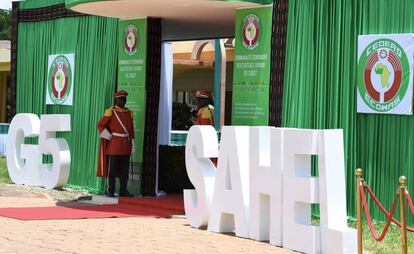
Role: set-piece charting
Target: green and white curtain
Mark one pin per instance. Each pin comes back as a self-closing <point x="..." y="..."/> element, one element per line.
<point x="93" y="40"/>
<point x="320" y="88"/>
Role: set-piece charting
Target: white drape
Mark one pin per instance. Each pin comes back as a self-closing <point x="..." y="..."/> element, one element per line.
<point x="165" y="105"/>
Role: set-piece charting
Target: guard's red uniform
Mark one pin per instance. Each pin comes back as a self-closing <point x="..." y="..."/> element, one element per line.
<point x="205" y="116"/>
<point x="121" y="142"/>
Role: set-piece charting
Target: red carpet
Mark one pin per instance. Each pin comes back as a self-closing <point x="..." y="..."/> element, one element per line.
<point x="127" y="207"/>
<point x="170" y="202"/>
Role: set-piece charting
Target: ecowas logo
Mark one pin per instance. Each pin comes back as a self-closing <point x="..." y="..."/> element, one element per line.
<point x="131" y="39"/>
<point x="251" y="31"/>
<point x="60" y="79"/>
<point x="383" y="75"/>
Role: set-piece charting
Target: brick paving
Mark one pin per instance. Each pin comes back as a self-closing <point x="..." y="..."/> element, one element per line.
<point x="115" y="235"/>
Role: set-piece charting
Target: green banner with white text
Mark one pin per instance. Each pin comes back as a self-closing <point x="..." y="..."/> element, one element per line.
<point x="251" y="76"/>
<point x="132" y="68"/>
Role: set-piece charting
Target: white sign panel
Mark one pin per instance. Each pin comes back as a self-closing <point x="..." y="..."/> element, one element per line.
<point x="385" y="74"/>
<point x="263" y="188"/>
<point x="24" y="162"/>
<point x="61" y="71"/>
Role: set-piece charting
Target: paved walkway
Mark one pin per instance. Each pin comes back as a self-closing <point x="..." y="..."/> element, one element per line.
<point x="126" y="235"/>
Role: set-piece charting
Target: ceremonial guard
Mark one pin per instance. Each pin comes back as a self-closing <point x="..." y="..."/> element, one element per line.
<point x="116" y="130"/>
<point x="205" y="114"/>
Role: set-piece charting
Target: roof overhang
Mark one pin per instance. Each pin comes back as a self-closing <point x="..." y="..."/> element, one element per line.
<point x="181" y="19"/>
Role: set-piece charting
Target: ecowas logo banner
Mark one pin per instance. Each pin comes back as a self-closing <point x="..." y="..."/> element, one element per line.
<point x="131" y="39"/>
<point x="385" y="74"/>
<point x="251" y="31"/>
<point x="60" y="79"/>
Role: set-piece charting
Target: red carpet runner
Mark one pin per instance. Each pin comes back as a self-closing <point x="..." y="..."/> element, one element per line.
<point x="128" y="207"/>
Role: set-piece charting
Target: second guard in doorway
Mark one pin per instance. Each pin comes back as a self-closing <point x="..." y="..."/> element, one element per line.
<point x="205" y="114"/>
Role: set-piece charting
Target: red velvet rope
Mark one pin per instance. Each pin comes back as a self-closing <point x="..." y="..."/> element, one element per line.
<point x="371" y="193"/>
<point x="368" y="216"/>
<point x="410" y="202"/>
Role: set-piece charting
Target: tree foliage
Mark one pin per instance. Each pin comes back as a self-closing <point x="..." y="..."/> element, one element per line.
<point x="5" y="24"/>
<point x="183" y="116"/>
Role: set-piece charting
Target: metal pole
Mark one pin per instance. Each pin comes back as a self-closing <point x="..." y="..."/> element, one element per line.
<point x="403" y="181"/>
<point x="359" y="183"/>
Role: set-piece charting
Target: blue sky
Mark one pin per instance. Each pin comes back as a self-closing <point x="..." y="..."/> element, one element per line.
<point x="5" y="4"/>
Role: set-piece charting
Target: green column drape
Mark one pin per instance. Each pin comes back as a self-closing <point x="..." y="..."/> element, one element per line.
<point x="33" y="4"/>
<point x="385" y="143"/>
<point x="93" y="40"/>
<point x="320" y="88"/>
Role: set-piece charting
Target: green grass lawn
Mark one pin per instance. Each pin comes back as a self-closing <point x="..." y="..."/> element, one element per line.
<point x="390" y="245"/>
<point x="4" y="175"/>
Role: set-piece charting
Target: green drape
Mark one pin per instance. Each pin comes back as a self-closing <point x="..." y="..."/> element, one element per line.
<point x="320" y="88"/>
<point x="30" y="4"/>
<point x="385" y="144"/>
<point x="93" y="40"/>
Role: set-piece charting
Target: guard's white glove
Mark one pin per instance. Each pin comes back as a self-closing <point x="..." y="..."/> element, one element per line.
<point x="105" y="134"/>
<point x="133" y="147"/>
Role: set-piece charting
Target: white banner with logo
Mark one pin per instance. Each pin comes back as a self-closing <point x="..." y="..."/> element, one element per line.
<point x="61" y="71"/>
<point x="385" y="74"/>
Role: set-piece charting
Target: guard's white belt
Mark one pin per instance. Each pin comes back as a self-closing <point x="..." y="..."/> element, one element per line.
<point x="122" y="135"/>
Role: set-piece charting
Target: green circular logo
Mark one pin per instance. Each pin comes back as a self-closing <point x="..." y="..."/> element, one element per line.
<point x="131" y="40"/>
<point x="250" y="31"/>
<point x="383" y="75"/>
<point x="59" y="80"/>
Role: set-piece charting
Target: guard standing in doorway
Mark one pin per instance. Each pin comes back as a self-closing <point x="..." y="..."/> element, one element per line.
<point x="116" y="130"/>
<point x="205" y="114"/>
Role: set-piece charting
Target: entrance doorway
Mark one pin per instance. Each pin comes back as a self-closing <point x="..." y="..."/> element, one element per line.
<point x="195" y="69"/>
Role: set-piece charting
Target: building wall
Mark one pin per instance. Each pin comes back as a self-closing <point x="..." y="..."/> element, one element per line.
<point x="200" y="79"/>
<point x="3" y="95"/>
